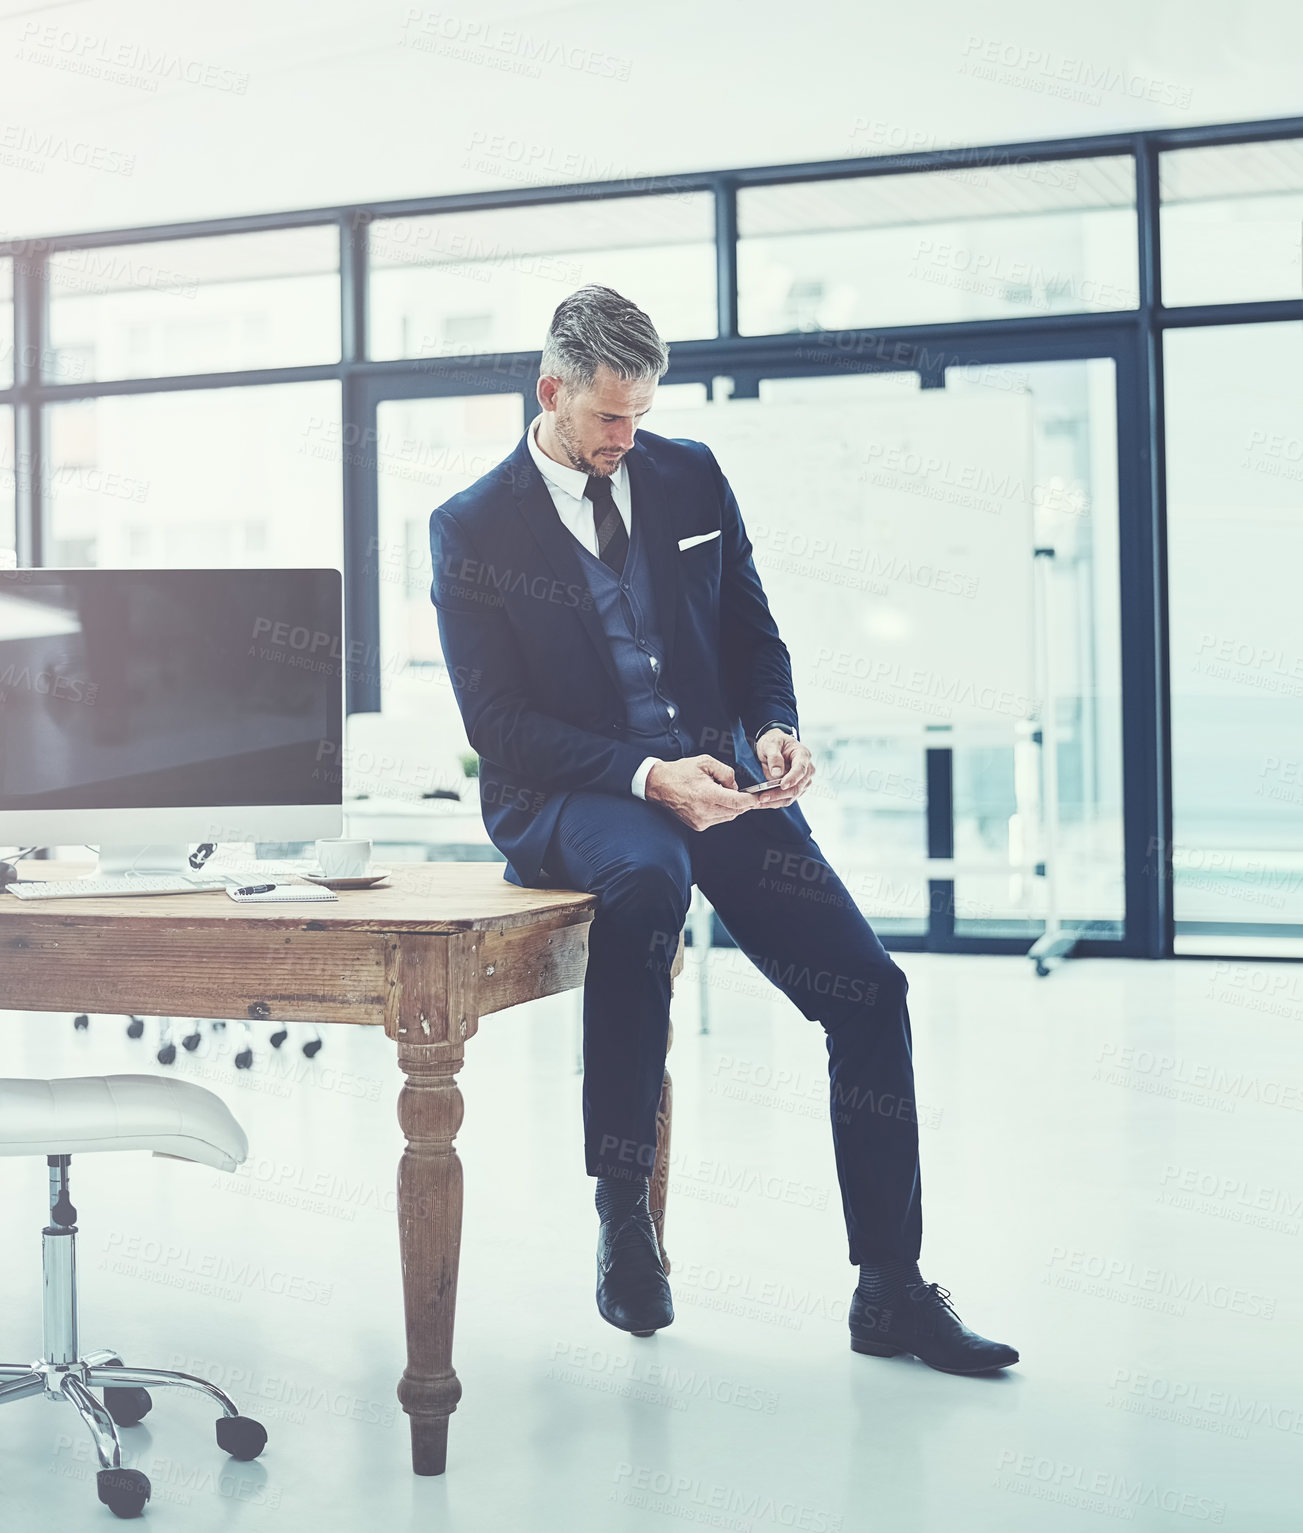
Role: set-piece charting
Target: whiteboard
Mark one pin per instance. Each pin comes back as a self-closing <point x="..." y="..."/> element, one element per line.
<point x="894" y="539"/>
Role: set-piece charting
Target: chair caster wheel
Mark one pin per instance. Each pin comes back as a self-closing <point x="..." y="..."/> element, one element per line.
<point x="167" y="1054"/>
<point x="278" y="1037"/>
<point x="136" y="1027"/>
<point x="312" y="1048"/>
<point x="81" y="1023"/>
<point x="127" y="1405"/>
<point x="123" y="1491"/>
<point x="241" y="1436"/>
<point x="191" y="1042"/>
<point x="244" y="1059"/>
<point x="1042" y="969"/>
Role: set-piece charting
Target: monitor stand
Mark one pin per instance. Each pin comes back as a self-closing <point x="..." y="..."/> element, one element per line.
<point x="166" y="858"/>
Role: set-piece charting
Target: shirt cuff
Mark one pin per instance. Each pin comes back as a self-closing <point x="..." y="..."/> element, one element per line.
<point x="639" y="784"/>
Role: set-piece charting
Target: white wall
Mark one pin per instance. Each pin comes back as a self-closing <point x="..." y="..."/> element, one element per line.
<point x="123" y="112"/>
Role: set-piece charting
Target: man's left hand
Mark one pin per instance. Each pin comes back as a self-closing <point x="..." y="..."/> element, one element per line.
<point x="786" y="760"/>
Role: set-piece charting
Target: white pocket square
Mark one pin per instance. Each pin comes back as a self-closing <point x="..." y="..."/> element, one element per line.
<point x="700" y="537"/>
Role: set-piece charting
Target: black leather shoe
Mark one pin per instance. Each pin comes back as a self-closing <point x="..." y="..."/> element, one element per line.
<point x="633" y="1292"/>
<point x="921" y="1320"/>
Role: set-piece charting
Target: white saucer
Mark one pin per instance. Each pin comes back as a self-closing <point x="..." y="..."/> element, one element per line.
<point x="357" y="881"/>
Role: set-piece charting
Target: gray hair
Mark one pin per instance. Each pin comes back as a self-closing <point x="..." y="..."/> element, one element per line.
<point x="596" y="326"/>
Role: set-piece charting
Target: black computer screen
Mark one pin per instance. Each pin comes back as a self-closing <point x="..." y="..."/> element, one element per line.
<point x="161" y="689"/>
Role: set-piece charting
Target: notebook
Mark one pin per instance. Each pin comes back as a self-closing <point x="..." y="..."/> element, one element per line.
<point x="283" y="893"/>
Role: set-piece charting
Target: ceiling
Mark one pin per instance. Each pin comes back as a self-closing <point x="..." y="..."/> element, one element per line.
<point x="116" y="113"/>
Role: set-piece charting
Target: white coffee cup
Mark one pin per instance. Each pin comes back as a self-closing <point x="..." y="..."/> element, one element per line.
<point x="344" y="859"/>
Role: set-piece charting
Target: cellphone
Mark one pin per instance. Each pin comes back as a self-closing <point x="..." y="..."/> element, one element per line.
<point x="762" y="787"/>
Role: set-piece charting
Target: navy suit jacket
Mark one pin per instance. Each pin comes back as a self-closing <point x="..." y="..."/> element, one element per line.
<point x="529" y="661"/>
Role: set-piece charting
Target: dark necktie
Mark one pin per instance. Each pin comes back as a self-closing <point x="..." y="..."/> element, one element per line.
<point x="612" y="539"/>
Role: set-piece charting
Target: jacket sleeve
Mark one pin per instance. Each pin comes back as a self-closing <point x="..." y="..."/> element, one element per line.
<point x="490" y="682"/>
<point x="755" y="666"/>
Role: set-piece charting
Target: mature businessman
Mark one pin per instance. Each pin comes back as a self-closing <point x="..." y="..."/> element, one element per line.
<point x="622" y="679"/>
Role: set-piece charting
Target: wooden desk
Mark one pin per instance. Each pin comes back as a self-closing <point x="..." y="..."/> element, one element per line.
<point x="425" y="959"/>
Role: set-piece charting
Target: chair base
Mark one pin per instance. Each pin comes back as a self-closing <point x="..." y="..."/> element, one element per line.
<point x="124" y="1491"/>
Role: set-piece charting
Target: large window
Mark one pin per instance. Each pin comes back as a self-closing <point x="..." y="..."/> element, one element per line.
<point x="1036" y="237"/>
<point x="459" y="284"/>
<point x="198" y="478"/>
<point x="195" y="306"/>
<point x="6" y="323"/>
<point x="927" y="380"/>
<point x="8" y="484"/>
<point x="1231" y="221"/>
<point x="1235" y="542"/>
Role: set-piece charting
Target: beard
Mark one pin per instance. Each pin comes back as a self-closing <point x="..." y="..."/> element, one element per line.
<point x="569" y="440"/>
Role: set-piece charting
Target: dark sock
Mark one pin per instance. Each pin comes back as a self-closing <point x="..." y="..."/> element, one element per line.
<point x="880" y="1279"/>
<point x="618" y="1196"/>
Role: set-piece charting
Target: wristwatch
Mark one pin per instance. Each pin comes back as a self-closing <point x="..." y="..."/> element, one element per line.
<point x="775" y="724"/>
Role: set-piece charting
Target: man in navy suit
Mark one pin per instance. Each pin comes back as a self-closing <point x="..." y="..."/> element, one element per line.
<point x="622" y="679"/>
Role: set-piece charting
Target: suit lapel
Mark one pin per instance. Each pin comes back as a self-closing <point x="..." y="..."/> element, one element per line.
<point x="651" y="508"/>
<point x="535" y="502"/>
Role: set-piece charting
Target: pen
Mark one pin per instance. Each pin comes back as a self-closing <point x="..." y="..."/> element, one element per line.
<point x="256" y="889"/>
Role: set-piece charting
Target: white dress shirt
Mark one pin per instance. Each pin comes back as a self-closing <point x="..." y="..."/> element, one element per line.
<point x="566" y="486"/>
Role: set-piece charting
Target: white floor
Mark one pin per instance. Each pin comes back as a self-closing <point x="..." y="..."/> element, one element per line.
<point x="1112" y="1181"/>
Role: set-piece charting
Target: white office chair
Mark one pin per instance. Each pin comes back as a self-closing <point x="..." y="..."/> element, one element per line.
<point x="62" y="1118"/>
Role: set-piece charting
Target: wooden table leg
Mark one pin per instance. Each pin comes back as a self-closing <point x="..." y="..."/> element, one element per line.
<point x="660" y="1177"/>
<point x="433" y="987"/>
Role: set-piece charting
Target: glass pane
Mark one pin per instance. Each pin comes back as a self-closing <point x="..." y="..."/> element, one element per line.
<point x="6" y="323"/>
<point x="904" y="589"/>
<point x="196" y="306"/>
<point x="462" y="284"/>
<point x="927" y="247"/>
<point x="1230" y="222"/>
<point x="194" y="479"/>
<point x="1235" y="549"/>
<point x="8" y="539"/>
<point x="428" y="450"/>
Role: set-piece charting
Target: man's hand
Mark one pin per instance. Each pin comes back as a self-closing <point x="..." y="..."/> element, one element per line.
<point x="700" y="790"/>
<point x="786" y="760"/>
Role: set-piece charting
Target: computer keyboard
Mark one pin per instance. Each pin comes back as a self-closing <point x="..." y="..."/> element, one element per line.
<point x="111" y="885"/>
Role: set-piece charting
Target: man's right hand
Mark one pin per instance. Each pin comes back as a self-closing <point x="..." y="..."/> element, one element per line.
<point x="700" y="790"/>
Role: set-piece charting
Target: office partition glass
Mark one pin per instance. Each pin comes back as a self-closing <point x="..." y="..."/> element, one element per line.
<point x="1235" y="548"/>
<point x="988" y="241"/>
<point x="217" y="304"/>
<point x="427" y="450"/>
<point x="197" y="478"/>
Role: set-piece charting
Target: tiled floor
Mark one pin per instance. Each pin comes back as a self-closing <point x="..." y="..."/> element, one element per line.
<point x="1112" y="1181"/>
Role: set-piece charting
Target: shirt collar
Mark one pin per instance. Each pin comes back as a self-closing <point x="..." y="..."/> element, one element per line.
<point x="572" y="480"/>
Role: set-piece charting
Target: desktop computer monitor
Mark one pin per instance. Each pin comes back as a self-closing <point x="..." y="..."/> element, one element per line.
<point x="161" y="708"/>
